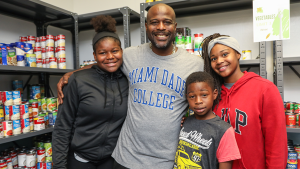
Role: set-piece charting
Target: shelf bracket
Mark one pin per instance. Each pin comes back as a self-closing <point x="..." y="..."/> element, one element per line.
<point x="278" y="66"/>
<point x="262" y="60"/>
<point x="75" y="41"/>
<point x="126" y="24"/>
<point x="41" y="28"/>
<point x="27" y="82"/>
<point x="143" y="7"/>
<point x="295" y="71"/>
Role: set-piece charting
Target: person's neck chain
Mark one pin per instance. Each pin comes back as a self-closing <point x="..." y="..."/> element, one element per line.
<point x="174" y="47"/>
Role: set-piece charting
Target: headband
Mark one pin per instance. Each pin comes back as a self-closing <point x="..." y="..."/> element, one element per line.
<point x="227" y="41"/>
<point x="100" y="35"/>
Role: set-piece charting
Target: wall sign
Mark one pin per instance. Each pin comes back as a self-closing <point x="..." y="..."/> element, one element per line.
<point x="271" y="20"/>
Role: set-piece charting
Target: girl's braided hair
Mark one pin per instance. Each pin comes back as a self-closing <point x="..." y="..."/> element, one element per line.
<point x="207" y="66"/>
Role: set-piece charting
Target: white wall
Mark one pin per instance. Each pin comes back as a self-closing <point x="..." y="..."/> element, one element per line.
<point x="65" y="4"/>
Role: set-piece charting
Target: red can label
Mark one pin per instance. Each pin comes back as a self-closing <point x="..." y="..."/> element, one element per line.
<point x="1" y="130"/>
<point x="61" y="60"/>
<point x="30" y="38"/>
<point x="39" y="60"/>
<point x="37" y="39"/>
<point x="61" y="37"/>
<point x="6" y="97"/>
<point x="23" y="38"/>
<point x="41" y="156"/>
<point x="290" y="119"/>
<point x="42" y="38"/>
<point x="43" y="50"/>
<point x="49" y="37"/>
<point x="52" y="59"/>
<point x="35" y="109"/>
<point x="60" y="48"/>
<point x="3" y="165"/>
<point x="37" y="49"/>
<point x="49" y="49"/>
<point x="24" y="111"/>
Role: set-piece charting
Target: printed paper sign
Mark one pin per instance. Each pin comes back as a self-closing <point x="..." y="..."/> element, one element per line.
<point x="271" y="20"/>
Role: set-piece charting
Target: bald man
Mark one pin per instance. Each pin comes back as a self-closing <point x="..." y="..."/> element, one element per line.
<point x="156" y="73"/>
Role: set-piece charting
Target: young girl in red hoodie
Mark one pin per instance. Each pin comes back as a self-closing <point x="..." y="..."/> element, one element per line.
<point x="251" y="104"/>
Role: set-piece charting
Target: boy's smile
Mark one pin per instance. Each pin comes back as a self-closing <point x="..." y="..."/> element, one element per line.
<point x="201" y="98"/>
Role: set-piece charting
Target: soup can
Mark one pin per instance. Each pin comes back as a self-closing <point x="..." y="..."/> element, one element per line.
<point x="7" y="111"/>
<point x="24" y="111"/>
<point x="1" y="130"/>
<point x="290" y="119"/>
<point x="30" y="60"/>
<point x="31" y="40"/>
<point x="51" y="103"/>
<point x="49" y="52"/>
<point x="53" y="62"/>
<point x="22" y="158"/>
<point x="31" y="123"/>
<point x="296" y="108"/>
<point x="44" y="104"/>
<point x="61" y="52"/>
<point x="39" y="123"/>
<point x="7" y="128"/>
<point x="30" y="110"/>
<point x="50" y="40"/>
<point x="30" y="158"/>
<point x="50" y="116"/>
<point x="3" y="164"/>
<point x="35" y="92"/>
<point x="61" y="40"/>
<point x="198" y="38"/>
<point x="292" y="159"/>
<point x="14" y="112"/>
<point x="62" y="63"/>
<point x="8" y="162"/>
<point x="41" y="155"/>
<point x="23" y="39"/>
<point x="6" y="97"/>
<point x="16" y="127"/>
<point x="35" y="109"/>
<point x="43" y="41"/>
<point x="48" y="148"/>
<point x="16" y="97"/>
<point x="289" y="107"/>
<point x="2" y="113"/>
<point x="25" y="125"/>
<point x="14" y="157"/>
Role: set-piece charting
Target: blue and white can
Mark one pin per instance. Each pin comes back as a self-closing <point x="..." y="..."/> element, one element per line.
<point x="51" y="120"/>
<point x="35" y="92"/>
<point x="15" y="112"/>
<point x="16" y="127"/>
<point x="4" y="54"/>
<point x="16" y="97"/>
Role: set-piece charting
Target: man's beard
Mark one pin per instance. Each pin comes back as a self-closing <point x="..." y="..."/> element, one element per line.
<point x="170" y="40"/>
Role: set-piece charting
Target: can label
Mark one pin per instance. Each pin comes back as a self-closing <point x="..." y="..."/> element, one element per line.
<point x="30" y="60"/>
<point x="35" y="92"/>
<point x="61" y="53"/>
<point x="198" y="38"/>
<point x="53" y="62"/>
<point x="48" y="149"/>
<point x="25" y="125"/>
<point x="16" y="127"/>
<point x="35" y="109"/>
<point x="30" y="160"/>
<point x="50" y="115"/>
<point x="50" y="40"/>
<point x="2" y="113"/>
<point x="7" y="128"/>
<point x="1" y="130"/>
<point x="49" y="159"/>
<point x="8" y="162"/>
<point x="44" y="104"/>
<point x="62" y="63"/>
<point x="31" y="124"/>
<point x="30" y="110"/>
<point x="290" y="119"/>
<point x="39" y="123"/>
<point x="20" y="60"/>
<point x="54" y="118"/>
<point x="296" y="108"/>
<point x="289" y="107"/>
<point x="3" y="164"/>
<point x="8" y="110"/>
<point x="24" y="111"/>
<point x="22" y="160"/>
<point x="6" y="97"/>
<point x="16" y="97"/>
<point x="14" y="158"/>
<point x="23" y="39"/>
<point x="51" y="104"/>
<point x="15" y="112"/>
<point x="41" y="157"/>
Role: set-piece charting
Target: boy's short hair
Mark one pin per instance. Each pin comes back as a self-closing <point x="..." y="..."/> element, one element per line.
<point x="200" y="77"/>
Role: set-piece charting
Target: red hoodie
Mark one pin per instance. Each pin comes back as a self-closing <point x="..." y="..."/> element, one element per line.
<point x="254" y="108"/>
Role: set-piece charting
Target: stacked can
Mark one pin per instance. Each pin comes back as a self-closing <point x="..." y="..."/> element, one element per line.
<point x="198" y="38"/>
<point x="31" y="39"/>
<point x="38" y="42"/>
<point x="60" y="51"/>
<point x="38" y="54"/>
<point x="292" y="112"/>
<point x="292" y="160"/>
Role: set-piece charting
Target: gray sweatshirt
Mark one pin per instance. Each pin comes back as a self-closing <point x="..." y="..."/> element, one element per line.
<point x="156" y="104"/>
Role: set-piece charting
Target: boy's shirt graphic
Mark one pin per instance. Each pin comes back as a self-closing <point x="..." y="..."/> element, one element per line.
<point x="203" y="144"/>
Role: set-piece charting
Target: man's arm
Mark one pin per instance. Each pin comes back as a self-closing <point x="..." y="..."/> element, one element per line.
<point x="225" y="165"/>
<point x="64" y="80"/>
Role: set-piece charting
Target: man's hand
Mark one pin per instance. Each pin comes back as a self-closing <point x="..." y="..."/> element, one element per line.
<point x="182" y="121"/>
<point x="62" y="82"/>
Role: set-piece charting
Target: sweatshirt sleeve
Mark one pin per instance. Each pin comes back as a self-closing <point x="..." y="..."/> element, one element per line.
<point x="274" y="129"/>
<point x="66" y="115"/>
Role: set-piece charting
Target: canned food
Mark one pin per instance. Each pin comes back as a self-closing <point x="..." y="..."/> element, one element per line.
<point x="40" y="104"/>
<point x="1" y="130"/>
<point x="30" y="60"/>
<point x="297" y="118"/>
<point x="14" y="158"/>
<point x="41" y="156"/>
<point x="48" y="148"/>
<point x="61" y="40"/>
<point x="16" y="97"/>
<point x="53" y="62"/>
<point x="8" y="162"/>
<point x="6" y="97"/>
<point x="22" y="159"/>
<point x="35" y="92"/>
<point x="39" y="123"/>
<point x="46" y="118"/>
<point x="51" y="103"/>
<point x="61" y="53"/>
<point x="35" y="109"/>
<point x="3" y="164"/>
<point x="49" y="52"/>
<point x="50" y="40"/>
<point x="31" y="39"/>
<point x="7" y="128"/>
<point x="44" y="104"/>
<point x="289" y="107"/>
<point x="12" y="112"/>
<point x="23" y="39"/>
<point x="24" y="112"/>
<point x="43" y="41"/>
<point x="290" y="119"/>
<point x="18" y="85"/>
<point x="50" y="116"/>
<point x="25" y="125"/>
<point x="292" y="159"/>
<point x="62" y="63"/>
<point x="1" y="113"/>
<point x="30" y="158"/>
<point x="42" y="88"/>
<point x="31" y="123"/>
<point x="54" y="117"/>
<point x="44" y="165"/>
<point x="40" y="144"/>
<point x="49" y="159"/>
<point x="30" y="110"/>
<point x="296" y="108"/>
<point x="16" y="127"/>
<point x="38" y="53"/>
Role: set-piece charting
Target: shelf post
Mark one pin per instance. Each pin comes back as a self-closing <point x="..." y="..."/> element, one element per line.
<point x="41" y="28"/>
<point x="278" y="66"/>
<point x="126" y="25"/>
<point x="262" y="60"/>
<point x="44" y="79"/>
<point x="143" y="7"/>
<point x="75" y="41"/>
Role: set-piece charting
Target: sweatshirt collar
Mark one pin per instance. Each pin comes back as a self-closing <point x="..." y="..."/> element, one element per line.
<point x="116" y="74"/>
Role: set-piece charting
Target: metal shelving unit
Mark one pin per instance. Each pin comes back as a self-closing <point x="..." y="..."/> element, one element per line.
<point x="185" y="8"/>
<point x="27" y="135"/>
<point x="31" y="70"/>
<point x="293" y="129"/>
